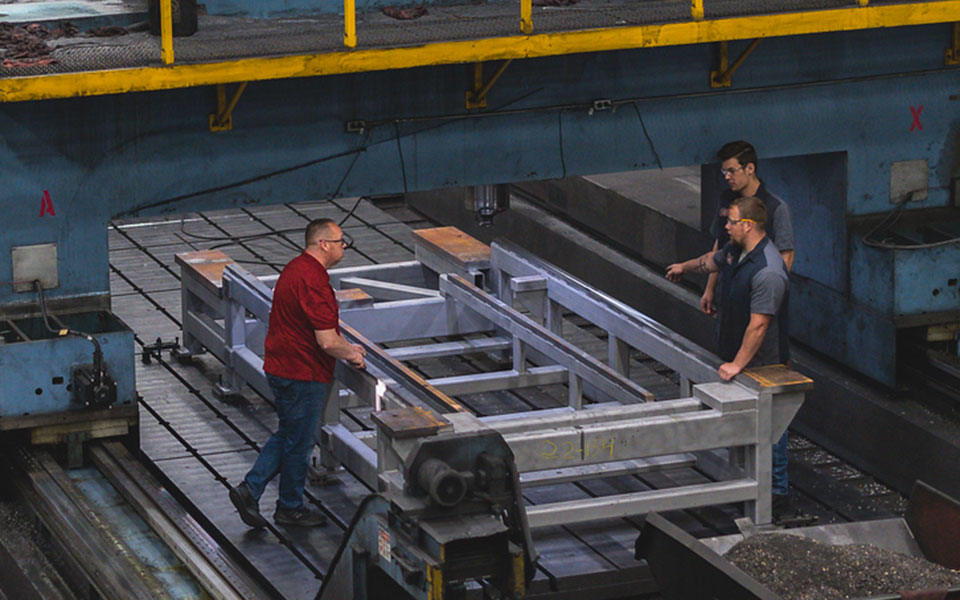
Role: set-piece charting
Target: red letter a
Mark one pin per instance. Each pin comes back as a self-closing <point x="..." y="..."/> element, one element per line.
<point x="46" y="204"/>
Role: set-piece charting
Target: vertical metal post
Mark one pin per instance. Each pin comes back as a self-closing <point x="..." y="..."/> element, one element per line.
<point x="350" y="23"/>
<point x="234" y="338"/>
<point x="554" y="317"/>
<point x="189" y="303"/>
<point x="951" y="56"/>
<point x="686" y="387"/>
<point x="478" y="75"/>
<point x="166" y="32"/>
<point x="696" y="10"/>
<point x="331" y="416"/>
<point x="526" y="16"/>
<point x="575" y="384"/>
<point x="619" y="355"/>
<point x="759" y="462"/>
<point x="519" y="355"/>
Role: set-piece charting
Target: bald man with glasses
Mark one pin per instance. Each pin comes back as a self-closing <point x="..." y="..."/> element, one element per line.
<point x="302" y="345"/>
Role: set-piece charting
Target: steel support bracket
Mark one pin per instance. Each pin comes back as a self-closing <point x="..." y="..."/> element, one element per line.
<point x="951" y="56"/>
<point x="477" y="97"/>
<point x="222" y="120"/>
<point x="722" y="76"/>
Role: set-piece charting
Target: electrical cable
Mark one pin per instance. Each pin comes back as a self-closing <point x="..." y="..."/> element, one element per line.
<point x="236" y="184"/>
<point x="356" y="157"/>
<point x="350" y="214"/>
<point x="403" y="168"/>
<point x="563" y="160"/>
<point x="890" y="219"/>
<point x="310" y="163"/>
<point x="647" y="134"/>
<point x="97" y="352"/>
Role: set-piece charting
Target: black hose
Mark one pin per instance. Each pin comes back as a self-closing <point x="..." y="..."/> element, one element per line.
<point x="97" y="352"/>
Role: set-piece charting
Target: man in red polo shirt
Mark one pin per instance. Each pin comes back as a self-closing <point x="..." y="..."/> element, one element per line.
<point x="303" y="342"/>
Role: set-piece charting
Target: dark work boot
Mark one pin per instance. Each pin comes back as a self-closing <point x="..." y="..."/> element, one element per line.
<point x="783" y="509"/>
<point x="300" y="517"/>
<point x="247" y="506"/>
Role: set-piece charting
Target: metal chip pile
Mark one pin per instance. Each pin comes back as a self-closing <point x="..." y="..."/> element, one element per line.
<point x="798" y="568"/>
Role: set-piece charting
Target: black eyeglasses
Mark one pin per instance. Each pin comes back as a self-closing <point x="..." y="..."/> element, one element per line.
<point x="344" y="241"/>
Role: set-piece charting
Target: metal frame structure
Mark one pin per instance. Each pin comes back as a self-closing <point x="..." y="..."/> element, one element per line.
<point x="725" y="429"/>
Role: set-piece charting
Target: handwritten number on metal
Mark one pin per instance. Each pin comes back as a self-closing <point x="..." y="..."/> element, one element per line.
<point x="597" y="448"/>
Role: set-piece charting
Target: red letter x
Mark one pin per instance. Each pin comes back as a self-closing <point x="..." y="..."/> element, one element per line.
<point x="916" y="118"/>
<point x="46" y="204"/>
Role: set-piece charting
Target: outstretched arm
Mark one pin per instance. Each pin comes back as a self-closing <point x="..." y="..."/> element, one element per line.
<point x="701" y="264"/>
<point x="706" y="300"/>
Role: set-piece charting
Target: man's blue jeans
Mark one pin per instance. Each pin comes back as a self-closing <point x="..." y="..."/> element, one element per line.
<point x="299" y="406"/>
<point x="780" y="466"/>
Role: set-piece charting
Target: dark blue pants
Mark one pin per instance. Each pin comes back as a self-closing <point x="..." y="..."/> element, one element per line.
<point x="287" y="452"/>
<point x="780" y="483"/>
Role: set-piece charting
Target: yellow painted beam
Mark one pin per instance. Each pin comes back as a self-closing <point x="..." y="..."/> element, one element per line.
<point x="65" y="85"/>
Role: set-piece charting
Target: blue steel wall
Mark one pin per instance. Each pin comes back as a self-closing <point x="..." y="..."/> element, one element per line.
<point x="832" y="93"/>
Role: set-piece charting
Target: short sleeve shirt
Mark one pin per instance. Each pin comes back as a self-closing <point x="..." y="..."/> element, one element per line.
<point x="757" y="284"/>
<point x="779" y="224"/>
<point x="303" y="302"/>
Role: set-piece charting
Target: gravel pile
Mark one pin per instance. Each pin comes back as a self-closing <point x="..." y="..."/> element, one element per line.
<point x="799" y="568"/>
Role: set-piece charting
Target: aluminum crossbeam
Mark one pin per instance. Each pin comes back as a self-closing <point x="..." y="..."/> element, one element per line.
<point x="618" y="319"/>
<point x="632" y="438"/>
<point x="416" y="319"/>
<point x="385" y="290"/>
<point x="419" y="352"/>
<point x="556" y="348"/>
<point x="638" y="503"/>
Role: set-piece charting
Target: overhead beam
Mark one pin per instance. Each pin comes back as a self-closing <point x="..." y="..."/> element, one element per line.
<point x="116" y="81"/>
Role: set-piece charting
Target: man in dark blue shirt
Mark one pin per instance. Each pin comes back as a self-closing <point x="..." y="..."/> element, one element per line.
<point x="738" y="164"/>
<point x="754" y="286"/>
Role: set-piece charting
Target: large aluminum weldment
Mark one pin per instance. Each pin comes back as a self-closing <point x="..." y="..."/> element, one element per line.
<point x="36" y="366"/>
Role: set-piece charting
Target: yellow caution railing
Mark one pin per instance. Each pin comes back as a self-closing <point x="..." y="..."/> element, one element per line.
<point x="166" y="32"/>
<point x="350" y="22"/>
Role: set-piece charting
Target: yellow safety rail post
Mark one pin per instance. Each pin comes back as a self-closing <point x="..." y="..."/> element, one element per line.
<point x="696" y="9"/>
<point x="863" y="2"/>
<point x="350" y="23"/>
<point x="526" y="16"/>
<point x="222" y="120"/>
<point x="166" y="32"/>
<point x="477" y="97"/>
<point x="952" y="55"/>
<point x="722" y="76"/>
